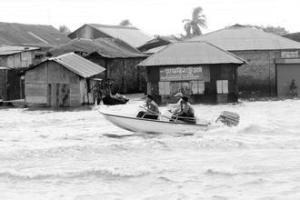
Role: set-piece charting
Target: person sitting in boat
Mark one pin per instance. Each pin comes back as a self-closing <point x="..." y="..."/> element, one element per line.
<point x="176" y="106"/>
<point x="185" y="112"/>
<point x="152" y="111"/>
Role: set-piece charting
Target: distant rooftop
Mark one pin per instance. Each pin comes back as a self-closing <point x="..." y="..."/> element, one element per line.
<point x="152" y="46"/>
<point x="10" y="50"/>
<point x="240" y="38"/>
<point x="106" y="47"/>
<point x="30" y="35"/>
<point x="191" y="53"/>
<point x="131" y="35"/>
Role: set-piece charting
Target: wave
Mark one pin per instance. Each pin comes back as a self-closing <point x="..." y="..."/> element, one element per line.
<point x="212" y="172"/>
<point x="98" y="173"/>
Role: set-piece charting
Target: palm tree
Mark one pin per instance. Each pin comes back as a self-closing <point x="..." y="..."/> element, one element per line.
<point x="192" y="26"/>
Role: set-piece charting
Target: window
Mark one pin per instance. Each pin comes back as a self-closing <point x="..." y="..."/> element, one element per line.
<point x="198" y="87"/>
<point x="222" y="86"/>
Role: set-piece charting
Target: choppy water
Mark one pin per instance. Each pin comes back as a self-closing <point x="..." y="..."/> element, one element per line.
<point x="65" y="155"/>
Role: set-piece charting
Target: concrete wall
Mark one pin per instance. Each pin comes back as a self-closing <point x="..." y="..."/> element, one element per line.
<point x="258" y="76"/>
<point x="285" y="74"/>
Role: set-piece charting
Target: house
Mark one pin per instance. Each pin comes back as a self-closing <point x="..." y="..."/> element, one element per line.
<point x="131" y="35"/>
<point x="62" y="81"/>
<point x="260" y="50"/>
<point x="119" y="59"/>
<point x="13" y="61"/>
<point x="157" y="43"/>
<point x="199" y="70"/>
<point x="32" y="35"/>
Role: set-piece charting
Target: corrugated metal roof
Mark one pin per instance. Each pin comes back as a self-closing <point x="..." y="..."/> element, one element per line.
<point x="240" y="38"/>
<point x="30" y="35"/>
<point x="106" y="47"/>
<point x="154" y="50"/>
<point x="293" y="36"/>
<point x="78" y="65"/>
<point x="157" y="42"/>
<point x="191" y="53"/>
<point x="9" y="50"/>
<point x="130" y="35"/>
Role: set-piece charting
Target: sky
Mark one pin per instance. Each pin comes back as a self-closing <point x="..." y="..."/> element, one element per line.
<point x="154" y="17"/>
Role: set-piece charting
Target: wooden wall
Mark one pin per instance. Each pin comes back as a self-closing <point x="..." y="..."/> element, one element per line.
<point x="51" y="84"/>
<point x="128" y="77"/>
<point x="208" y="89"/>
<point x="11" y="85"/>
<point x="3" y="83"/>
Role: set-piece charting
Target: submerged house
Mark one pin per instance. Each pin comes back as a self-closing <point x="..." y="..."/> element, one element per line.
<point x="119" y="59"/>
<point x="13" y="61"/>
<point x="63" y="81"/>
<point x="260" y="50"/>
<point x="130" y="35"/>
<point x="199" y="70"/>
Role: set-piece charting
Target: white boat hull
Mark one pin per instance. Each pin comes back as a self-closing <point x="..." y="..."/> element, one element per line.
<point x="153" y="126"/>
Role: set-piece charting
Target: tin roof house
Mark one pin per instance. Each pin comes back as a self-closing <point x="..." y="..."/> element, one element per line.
<point x="260" y="50"/>
<point x="13" y="61"/>
<point x="62" y="81"/>
<point x="199" y="70"/>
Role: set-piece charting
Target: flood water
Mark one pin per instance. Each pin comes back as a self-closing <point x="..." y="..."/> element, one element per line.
<point x="65" y="155"/>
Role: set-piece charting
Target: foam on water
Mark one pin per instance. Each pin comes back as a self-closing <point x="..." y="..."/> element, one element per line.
<point x="66" y="155"/>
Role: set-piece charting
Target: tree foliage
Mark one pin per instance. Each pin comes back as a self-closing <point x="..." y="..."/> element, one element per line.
<point x="193" y="26"/>
<point x="125" y="22"/>
<point x="274" y="29"/>
<point x="278" y="30"/>
<point x="64" y="29"/>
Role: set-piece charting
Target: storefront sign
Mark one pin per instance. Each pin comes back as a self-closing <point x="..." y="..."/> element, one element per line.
<point x="181" y="74"/>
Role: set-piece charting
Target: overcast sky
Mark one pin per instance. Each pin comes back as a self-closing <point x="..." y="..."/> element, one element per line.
<point x="152" y="16"/>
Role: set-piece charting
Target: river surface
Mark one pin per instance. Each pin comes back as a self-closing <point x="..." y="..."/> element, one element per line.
<point x="65" y="155"/>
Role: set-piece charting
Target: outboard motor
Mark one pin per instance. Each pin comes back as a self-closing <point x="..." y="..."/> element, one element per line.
<point x="229" y="118"/>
